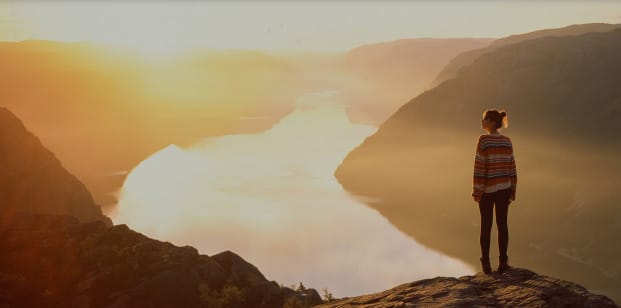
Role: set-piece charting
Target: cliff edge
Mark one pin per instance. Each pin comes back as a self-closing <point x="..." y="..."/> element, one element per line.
<point x="516" y="287"/>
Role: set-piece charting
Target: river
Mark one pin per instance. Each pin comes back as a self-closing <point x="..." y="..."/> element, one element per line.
<point x="271" y="197"/>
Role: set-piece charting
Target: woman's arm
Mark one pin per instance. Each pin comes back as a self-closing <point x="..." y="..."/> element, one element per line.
<point x="479" y="172"/>
<point x="513" y="175"/>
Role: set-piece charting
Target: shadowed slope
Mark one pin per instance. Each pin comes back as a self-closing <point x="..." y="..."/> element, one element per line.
<point x="34" y="181"/>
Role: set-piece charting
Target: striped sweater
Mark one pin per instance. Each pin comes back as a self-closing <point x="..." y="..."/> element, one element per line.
<point x="494" y="165"/>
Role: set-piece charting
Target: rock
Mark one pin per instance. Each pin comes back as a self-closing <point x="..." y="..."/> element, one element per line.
<point x="238" y="270"/>
<point x="516" y="287"/>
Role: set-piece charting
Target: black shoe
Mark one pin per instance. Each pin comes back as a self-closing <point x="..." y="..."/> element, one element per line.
<point x="503" y="265"/>
<point x="487" y="268"/>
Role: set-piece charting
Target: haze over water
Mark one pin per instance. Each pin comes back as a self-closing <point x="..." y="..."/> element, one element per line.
<point x="271" y="197"/>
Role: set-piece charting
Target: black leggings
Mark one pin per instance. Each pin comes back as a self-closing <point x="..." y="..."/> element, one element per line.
<point x="486" y="206"/>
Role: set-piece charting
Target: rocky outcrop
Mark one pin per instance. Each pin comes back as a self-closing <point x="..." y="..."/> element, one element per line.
<point x="514" y="288"/>
<point x="33" y="180"/>
<point x="56" y="261"/>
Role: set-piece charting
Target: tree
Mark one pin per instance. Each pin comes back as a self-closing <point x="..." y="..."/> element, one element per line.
<point x="327" y="296"/>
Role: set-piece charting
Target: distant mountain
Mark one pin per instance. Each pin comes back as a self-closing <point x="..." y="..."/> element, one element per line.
<point x="515" y="288"/>
<point x="466" y="58"/>
<point x="387" y="74"/>
<point x="83" y="100"/>
<point x="564" y="103"/>
<point x="55" y="261"/>
<point x="33" y="180"/>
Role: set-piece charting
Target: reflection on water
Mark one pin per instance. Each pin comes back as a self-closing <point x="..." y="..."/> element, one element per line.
<point x="272" y="198"/>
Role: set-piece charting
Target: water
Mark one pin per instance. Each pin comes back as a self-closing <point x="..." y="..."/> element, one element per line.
<point x="272" y="198"/>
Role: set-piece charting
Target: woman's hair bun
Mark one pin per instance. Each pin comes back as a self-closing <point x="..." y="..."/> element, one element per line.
<point x="499" y="117"/>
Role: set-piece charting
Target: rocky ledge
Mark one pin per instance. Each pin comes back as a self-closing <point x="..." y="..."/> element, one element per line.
<point x="516" y="287"/>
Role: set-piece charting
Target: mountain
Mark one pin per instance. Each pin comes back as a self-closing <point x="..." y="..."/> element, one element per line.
<point x="466" y="58"/>
<point x="56" y="261"/>
<point x="564" y="106"/>
<point x="514" y="288"/>
<point x="34" y="181"/>
<point x="385" y="75"/>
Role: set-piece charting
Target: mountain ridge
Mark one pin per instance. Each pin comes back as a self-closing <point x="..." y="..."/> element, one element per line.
<point x="57" y="261"/>
<point x="467" y="57"/>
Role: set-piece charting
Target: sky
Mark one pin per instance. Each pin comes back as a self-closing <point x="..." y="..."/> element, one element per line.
<point x="325" y="26"/>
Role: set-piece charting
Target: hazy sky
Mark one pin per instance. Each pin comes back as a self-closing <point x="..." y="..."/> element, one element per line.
<point x="301" y="25"/>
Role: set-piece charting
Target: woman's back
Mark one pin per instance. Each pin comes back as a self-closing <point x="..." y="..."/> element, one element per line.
<point x="494" y="163"/>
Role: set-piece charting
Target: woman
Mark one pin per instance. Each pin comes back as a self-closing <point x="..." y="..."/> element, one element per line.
<point x="494" y="183"/>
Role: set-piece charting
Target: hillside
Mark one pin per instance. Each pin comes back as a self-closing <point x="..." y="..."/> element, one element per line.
<point x="55" y="261"/>
<point x="466" y="58"/>
<point x="514" y="288"/>
<point x="34" y="181"/>
<point x="564" y="106"/>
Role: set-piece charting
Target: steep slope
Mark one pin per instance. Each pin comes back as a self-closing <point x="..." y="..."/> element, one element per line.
<point x="514" y="288"/>
<point x="55" y="261"/>
<point x="564" y="101"/>
<point x="466" y="58"/>
<point x="34" y="181"/>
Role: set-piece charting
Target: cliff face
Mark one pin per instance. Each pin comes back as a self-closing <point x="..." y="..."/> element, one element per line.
<point x="514" y="288"/>
<point x="56" y="261"/>
<point x="564" y="106"/>
<point x="34" y="181"/>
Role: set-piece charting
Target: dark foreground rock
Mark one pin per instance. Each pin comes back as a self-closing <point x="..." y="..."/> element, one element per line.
<point x="56" y="261"/>
<point x="516" y="287"/>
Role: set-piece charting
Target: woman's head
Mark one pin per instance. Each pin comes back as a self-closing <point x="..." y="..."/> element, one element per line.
<point x="494" y="119"/>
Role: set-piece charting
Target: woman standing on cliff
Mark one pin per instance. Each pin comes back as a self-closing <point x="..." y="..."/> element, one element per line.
<point x="494" y="183"/>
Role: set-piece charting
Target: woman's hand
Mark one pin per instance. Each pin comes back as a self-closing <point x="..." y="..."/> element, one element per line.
<point x="512" y="196"/>
<point x="477" y="197"/>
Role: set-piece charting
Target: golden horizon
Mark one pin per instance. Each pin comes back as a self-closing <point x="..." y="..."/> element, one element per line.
<point x="163" y="29"/>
